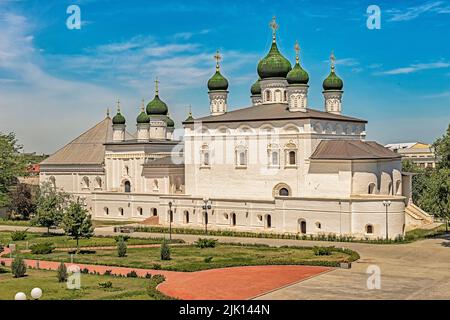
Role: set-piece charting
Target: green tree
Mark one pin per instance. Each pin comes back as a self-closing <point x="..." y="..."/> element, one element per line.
<point x="61" y="273"/>
<point x="436" y="196"/>
<point x="18" y="267"/>
<point x="77" y="222"/>
<point x="50" y="207"/>
<point x="22" y="202"/>
<point x="442" y="150"/>
<point x="12" y="165"/>
<point x="121" y="247"/>
<point x="165" y="250"/>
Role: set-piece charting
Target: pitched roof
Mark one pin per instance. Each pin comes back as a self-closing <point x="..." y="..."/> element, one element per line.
<point x="87" y="149"/>
<point x="352" y="150"/>
<point x="275" y="111"/>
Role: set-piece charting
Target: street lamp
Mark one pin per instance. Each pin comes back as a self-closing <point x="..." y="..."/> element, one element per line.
<point x="206" y="206"/>
<point x="386" y="204"/>
<point x="36" y="293"/>
<point x="170" y="220"/>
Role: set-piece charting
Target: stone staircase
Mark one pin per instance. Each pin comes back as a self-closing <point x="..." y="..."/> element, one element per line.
<point x="416" y="217"/>
<point x="152" y="221"/>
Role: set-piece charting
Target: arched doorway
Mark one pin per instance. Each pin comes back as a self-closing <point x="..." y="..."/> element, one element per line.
<point x="127" y="186"/>
<point x="302" y="226"/>
<point x="233" y="219"/>
<point x="268" y="221"/>
<point x="154" y="212"/>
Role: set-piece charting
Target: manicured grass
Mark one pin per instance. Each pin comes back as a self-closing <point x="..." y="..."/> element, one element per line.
<point x="191" y="258"/>
<point x="20" y="223"/>
<point x="418" y="234"/>
<point x="61" y="241"/>
<point x="122" y="289"/>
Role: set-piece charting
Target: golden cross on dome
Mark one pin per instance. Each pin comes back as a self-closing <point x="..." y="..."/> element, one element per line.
<point x="297" y="51"/>
<point x="118" y="106"/>
<point x="274" y="26"/>
<point x="332" y="59"/>
<point x="142" y="105"/>
<point x="156" y="86"/>
<point x="218" y="57"/>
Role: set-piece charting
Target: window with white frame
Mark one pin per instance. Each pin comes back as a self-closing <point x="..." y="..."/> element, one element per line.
<point x="290" y="155"/>
<point x="205" y="156"/>
<point x="274" y="155"/>
<point x="241" y="156"/>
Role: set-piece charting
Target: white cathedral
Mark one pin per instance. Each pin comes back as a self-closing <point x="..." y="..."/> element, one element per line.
<point x="277" y="166"/>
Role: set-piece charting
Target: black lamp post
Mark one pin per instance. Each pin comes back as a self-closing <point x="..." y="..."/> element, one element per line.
<point x="205" y="207"/>
<point x="170" y="220"/>
<point x="386" y="204"/>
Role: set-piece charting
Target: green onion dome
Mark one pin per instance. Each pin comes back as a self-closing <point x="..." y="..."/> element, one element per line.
<point x="256" y="88"/>
<point x="118" y="118"/>
<point x="297" y="75"/>
<point x="170" y="123"/>
<point x="274" y="65"/>
<point x="333" y="82"/>
<point x="190" y="117"/>
<point x="157" y="107"/>
<point x="143" y="118"/>
<point x="217" y="82"/>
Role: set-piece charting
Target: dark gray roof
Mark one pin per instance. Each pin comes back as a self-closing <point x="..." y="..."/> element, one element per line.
<point x="168" y="161"/>
<point x="352" y="150"/>
<point x="276" y="111"/>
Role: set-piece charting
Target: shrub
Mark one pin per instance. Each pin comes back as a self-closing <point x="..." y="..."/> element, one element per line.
<point x="206" y="243"/>
<point x="132" y="274"/>
<point x="42" y="248"/>
<point x="156" y="266"/>
<point x="165" y="250"/>
<point x="3" y="271"/>
<point x="105" y="285"/>
<point x="1" y="248"/>
<point x="322" y="251"/>
<point x="108" y="273"/>
<point x="122" y="237"/>
<point x="19" y="235"/>
<point x="148" y="276"/>
<point x="61" y="273"/>
<point x="121" y="248"/>
<point x="18" y="267"/>
<point x="208" y="259"/>
<point x="153" y="292"/>
<point x="84" y="271"/>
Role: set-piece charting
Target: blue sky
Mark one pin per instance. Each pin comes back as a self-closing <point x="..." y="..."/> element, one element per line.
<point x="55" y="82"/>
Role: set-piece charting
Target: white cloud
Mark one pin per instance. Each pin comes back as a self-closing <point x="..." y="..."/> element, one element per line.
<point x="416" y="67"/>
<point x="411" y="13"/>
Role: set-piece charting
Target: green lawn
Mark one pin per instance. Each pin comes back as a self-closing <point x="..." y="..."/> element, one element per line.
<point x="61" y="241"/>
<point x="6" y="222"/>
<point x="191" y="258"/>
<point x="123" y="288"/>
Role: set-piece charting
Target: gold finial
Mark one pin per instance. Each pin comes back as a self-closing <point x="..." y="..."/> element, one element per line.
<point x="142" y="105"/>
<point x="218" y="57"/>
<point x="156" y="86"/>
<point x="297" y="51"/>
<point x="332" y="59"/>
<point x="107" y="112"/>
<point x="190" y="110"/>
<point x="118" y="106"/>
<point x="274" y="26"/>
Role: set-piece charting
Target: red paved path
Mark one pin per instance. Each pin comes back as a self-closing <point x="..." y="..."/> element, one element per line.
<point x="236" y="283"/>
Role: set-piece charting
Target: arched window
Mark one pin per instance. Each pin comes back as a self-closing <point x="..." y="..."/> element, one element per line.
<point x="127" y="186"/>
<point x="284" y="192"/>
<point x="178" y="184"/>
<point x="186" y="216"/>
<point x="242" y="158"/>
<point x="268" y="98"/>
<point x="155" y="185"/>
<point x="127" y="170"/>
<point x="302" y="226"/>
<point x="98" y="183"/>
<point x="85" y="183"/>
<point x="292" y="158"/>
<point x="154" y="212"/>
<point x="140" y="211"/>
<point x="371" y="188"/>
<point x="233" y="219"/>
<point x="275" y="158"/>
<point x="318" y="225"/>
<point x="369" y="229"/>
<point x="206" y="158"/>
<point x="268" y="221"/>
<point x="106" y="210"/>
<point x="121" y="211"/>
